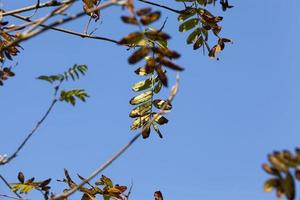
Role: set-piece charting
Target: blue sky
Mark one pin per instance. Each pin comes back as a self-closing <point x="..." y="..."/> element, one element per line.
<point x="228" y="115"/>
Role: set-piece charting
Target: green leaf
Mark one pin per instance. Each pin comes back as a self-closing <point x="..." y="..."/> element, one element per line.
<point x="191" y="23"/>
<point x="140" y="121"/>
<point x="141" y="98"/>
<point x="22" y="187"/>
<point x="71" y="95"/>
<point x="289" y="186"/>
<point x="51" y="79"/>
<point x="198" y="43"/>
<point x="155" y="127"/>
<point x="193" y="36"/>
<point x="157" y="87"/>
<point x="73" y="72"/>
<point x="187" y="13"/>
<point x="142" y="85"/>
<point x="160" y="104"/>
<point x="141" y="110"/>
<point x="160" y="119"/>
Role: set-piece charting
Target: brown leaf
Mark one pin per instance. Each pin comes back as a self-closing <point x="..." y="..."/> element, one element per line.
<point x="157" y="35"/>
<point x="216" y="29"/>
<point x="169" y="64"/>
<point x="132" y="38"/>
<point x="143" y="11"/>
<point x="166" y="52"/>
<point x="158" y="195"/>
<point x="90" y="5"/>
<point x="214" y="51"/>
<point x="21" y="177"/>
<point x="150" y="65"/>
<point x="146" y="132"/>
<point x="162" y="76"/>
<point x="129" y="20"/>
<point x="150" y="18"/>
<point x="45" y="182"/>
<point x="138" y="55"/>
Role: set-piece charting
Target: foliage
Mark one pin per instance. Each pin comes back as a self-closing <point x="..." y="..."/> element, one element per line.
<point x="285" y="170"/>
<point x="69" y="96"/>
<point x="28" y="185"/>
<point x="73" y="73"/>
<point x="104" y="187"/>
<point x="154" y="51"/>
<point x="5" y="73"/>
<point x="89" y="5"/>
<point x="148" y="44"/>
<point x="201" y="21"/>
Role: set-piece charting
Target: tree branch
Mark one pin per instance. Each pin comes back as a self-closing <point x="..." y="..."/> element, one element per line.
<point x="68" y="31"/>
<point x="97" y="171"/>
<point x="161" y="6"/>
<point x="66" y="194"/>
<point x="50" y="3"/>
<point x="39" y="123"/>
<point x="10" y="197"/>
<point x="59" y="22"/>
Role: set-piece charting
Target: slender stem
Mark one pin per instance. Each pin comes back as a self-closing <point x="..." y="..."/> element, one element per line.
<point x="7" y="184"/>
<point x="161" y="6"/>
<point x="9" y="197"/>
<point x="69" y="31"/>
<point x="58" y="10"/>
<point x="50" y="3"/>
<point x="38" y="124"/>
<point x="59" y="22"/>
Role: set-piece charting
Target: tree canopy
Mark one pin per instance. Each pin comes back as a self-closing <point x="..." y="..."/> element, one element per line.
<point x="180" y="70"/>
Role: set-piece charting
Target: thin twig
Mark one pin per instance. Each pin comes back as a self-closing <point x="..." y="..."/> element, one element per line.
<point x="10" y="197"/>
<point x="161" y="6"/>
<point x="39" y="123"/>
<point x="58" y="10"/>
<point x="66" y="194"/>
<point x="97" y="171"/>
<point x="69" y="31"/>
<point x="87" y="25"/>
<point x="7" y="184"/>
<point x="50" y="3"/>
<point x="129" y="192"/>
<point x="59" y="22"/>
<point x="36" y="9"/>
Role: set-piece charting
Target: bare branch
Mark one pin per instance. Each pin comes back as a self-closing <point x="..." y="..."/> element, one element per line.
<point x="39" y="123"/>
<point x="58" y="10"/>
<point x="69" y="31"/>
<point x="50" y="3"/>
<point x="161" y="6"/>
<point x="10" y="197"/>
<point x="59" y="22"/>
<point x="97" y="171"/>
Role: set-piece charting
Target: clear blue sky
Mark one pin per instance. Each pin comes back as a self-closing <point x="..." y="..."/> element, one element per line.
<point x="228" y="115"/>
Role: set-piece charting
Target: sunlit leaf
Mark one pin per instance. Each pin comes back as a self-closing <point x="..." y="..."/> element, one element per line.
<point x="160" y="119"/>
<point x="141" y="98"/>
<point x="270" y="184"/>
<point x="141" y="110"/>
<point x="189" y="24"/>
